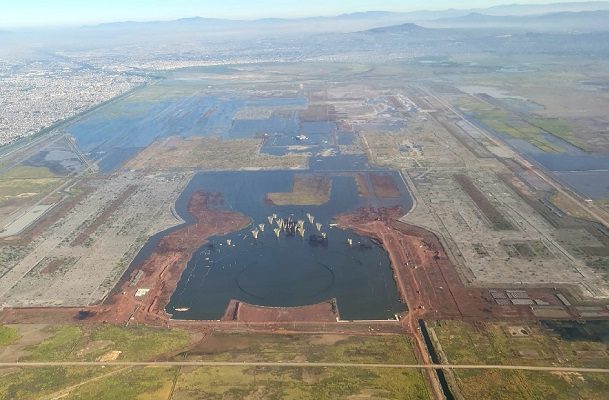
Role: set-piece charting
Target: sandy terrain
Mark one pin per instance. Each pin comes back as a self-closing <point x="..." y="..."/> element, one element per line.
<point x="212" y="154"/>
<point x="307" y="190"/>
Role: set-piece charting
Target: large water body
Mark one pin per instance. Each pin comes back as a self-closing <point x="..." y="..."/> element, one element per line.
<point x="287" y="271"/>
<point x="268" y="271"/>
<point x="120" y="129"/>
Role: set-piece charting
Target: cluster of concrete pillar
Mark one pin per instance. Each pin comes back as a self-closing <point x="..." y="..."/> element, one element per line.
<point x="292" y="226"/>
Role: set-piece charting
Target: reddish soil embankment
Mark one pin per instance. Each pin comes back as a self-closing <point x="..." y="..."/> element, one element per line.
<point x="243" y="312"/>
<point x="162" y="269"/>
<point x="428" y="282"/>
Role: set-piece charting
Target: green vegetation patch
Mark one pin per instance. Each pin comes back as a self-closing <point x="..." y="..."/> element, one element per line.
<point x="516" y="344"/>
<point x="26" y="181"/>
<point x="28" y="172"/>
<point x="300" y="383"/>
<point x="389" y="349"/>
<point x="522" y="344"/>
<point x="530" y="129"/>
<point x="142" y="343"/>
<point x="8" y="335"/>
<point x="150" y="383"/>
<point x="89" y="343"/>
<point x="65" y="341"/>
<point x="503" y="122"/>
<point x="528" y="385"/>
<point x="557" y="127"/>
<point x="36" y="382"/>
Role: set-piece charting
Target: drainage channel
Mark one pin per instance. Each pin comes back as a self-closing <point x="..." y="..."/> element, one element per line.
<point x="434" y="358"/>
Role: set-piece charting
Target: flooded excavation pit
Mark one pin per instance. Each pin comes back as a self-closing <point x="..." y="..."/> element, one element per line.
<point x="289" y="256"/>
<point x="285" y="282"/>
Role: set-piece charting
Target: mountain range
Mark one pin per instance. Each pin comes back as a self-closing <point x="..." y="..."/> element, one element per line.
<point x="585" y="21"/>
<point x="591" y="16"/>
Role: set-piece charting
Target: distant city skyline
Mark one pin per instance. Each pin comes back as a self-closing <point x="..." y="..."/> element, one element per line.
<point x="37" y="13"/>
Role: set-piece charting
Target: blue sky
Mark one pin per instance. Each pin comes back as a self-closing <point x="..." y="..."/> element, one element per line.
<point x="17" y="13"/>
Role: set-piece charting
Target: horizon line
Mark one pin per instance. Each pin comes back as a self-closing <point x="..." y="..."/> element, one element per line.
<point x="89" y="24"/>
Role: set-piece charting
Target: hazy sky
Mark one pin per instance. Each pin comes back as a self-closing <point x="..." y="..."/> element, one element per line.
<point x="16" y="13"/>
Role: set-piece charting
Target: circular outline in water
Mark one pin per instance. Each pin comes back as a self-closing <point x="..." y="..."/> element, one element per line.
<point x="312" y="295"/>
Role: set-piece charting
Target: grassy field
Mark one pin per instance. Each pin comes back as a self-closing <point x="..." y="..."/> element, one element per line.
<point x="503" y="343"/>
<point x="35" y="383"/>
<point x="8" y="335"/>
<point x="527" y="385"/>
<point x="503" y="122"/>
<point x="531" y="129"/>
<point x="140" y="343"/>
<point x="26" y="182"/>
<point x="299" y="383"/>
<point x="83" y="343"/>
<point x="90" y="343"/>
<point x="154" y="383"/>
<point x="513" y="344"/>
<point x="556" y="127"/>
<point x="391" y="349"/>
<point x="27" y="172"/>
<point x="157" y="383"/>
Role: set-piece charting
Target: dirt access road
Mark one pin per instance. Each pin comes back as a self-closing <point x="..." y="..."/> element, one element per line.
<point x="296" y="365"/>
